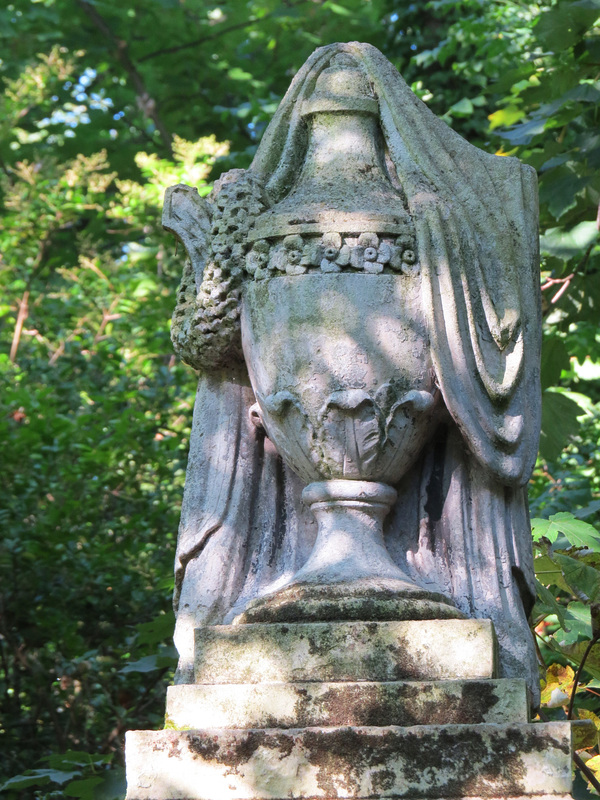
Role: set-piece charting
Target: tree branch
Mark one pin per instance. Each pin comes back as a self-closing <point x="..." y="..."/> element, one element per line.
<point x="24" y="301"/>
<point x="121" y="49"/>
<point x="216" y="34"/>
<point x="21" y="317"/>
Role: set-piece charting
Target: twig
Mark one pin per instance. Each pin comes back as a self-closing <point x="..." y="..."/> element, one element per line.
<point x="586" y="771"/>
<point x="538" y="651"/>
<point x="553" y="281"/>
<point x="588" y="649"/>
<point x="121" y="49"/>
<point x="579" y="268"/>
<point x="24" y="302"/>
<point x="562" y="290"/>
<point x="221" y="32"/>
<point x="107" y="316"/>
<point x="21" y="317"/>
<point x="215" y="35"/>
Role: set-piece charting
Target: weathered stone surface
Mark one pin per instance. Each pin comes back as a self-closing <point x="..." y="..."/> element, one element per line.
<point x="377" y="279"/>
<point x="303" y="705"/>
<point x="346" y="651"/>
<point x="450" y="761"/>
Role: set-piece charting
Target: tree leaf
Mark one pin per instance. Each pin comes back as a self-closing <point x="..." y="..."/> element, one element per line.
<point x="83" y="788"/>
<point x="463" y="108"/>
<point x="505" y="117"/>
<point x="526" y="131"/>
<point x="559" y="188"/>
<point x="576" y="652"/>
<point x="558" y="685"/>
<point x="38" y="777"/>
<point x="547" y="603"/>
<point x="584" y="581"/>
<point x="579" y="533"/>
<point x="555" y="359"/>
<point x="559" y="423"/>
<point x="565" y="244"/>
<point x="565" y="23"/>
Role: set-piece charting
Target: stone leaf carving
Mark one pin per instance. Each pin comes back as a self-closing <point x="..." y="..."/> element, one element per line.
<point x="355" y="435"/>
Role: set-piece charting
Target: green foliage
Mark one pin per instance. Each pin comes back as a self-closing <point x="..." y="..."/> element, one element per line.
<point x="94" y="419"/>
<point x="102" y="106"/>
<point x="567" y="623"/>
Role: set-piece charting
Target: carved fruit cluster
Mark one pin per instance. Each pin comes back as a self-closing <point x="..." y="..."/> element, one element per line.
<point x="296" y="255"/>
<point x="213" y="336"/>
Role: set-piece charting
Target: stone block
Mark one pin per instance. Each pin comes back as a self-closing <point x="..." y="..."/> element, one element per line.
<point x="446" y="761"/>
<point x="442" y="649"/>
<point x="300" y="705"/>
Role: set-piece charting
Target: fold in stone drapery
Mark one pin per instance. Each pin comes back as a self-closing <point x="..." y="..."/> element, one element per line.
<point x="461" y="524"/>
<point x="240" y="517"/>
<point x="454" y="529"/>
<point x="459" y="530"/>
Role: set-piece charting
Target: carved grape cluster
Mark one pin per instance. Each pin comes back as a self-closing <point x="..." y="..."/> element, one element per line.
<point x="332" y="252"/>
<point x="212" y="336"/>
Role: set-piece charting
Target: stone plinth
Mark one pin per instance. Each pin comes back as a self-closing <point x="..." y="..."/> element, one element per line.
<point x="306" y="704"/>
<point x="346" y="651"/>
<point x="435" y="761"/>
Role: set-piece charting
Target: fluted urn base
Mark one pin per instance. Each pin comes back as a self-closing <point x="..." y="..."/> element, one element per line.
<point x="349" y="574"/>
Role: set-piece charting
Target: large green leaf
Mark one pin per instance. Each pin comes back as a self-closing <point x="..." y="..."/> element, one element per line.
<point x="547" y="604"/>
<point x="564" y="24"/>
<point x="559" y="189"/>
<point x="38" y="777"/>
<point x="576" y="531"/>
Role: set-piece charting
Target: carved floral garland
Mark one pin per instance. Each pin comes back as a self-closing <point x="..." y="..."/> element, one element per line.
<point x="206" y="327"/>
<point x="296" y="255"/>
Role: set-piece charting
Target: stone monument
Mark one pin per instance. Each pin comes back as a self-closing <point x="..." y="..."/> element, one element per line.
<point x="354" y="568"/>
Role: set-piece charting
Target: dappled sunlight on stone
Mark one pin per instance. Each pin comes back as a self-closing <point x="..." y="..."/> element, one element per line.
<point x="354" y="558"/>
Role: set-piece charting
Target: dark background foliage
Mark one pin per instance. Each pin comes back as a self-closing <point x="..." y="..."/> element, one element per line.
<point x="103" y="105"/>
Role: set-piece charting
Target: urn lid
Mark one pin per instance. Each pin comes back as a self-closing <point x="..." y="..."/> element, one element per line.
<point x="344" y="184"/>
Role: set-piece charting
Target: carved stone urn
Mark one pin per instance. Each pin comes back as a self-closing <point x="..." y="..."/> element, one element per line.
<point x="338" y="355"/>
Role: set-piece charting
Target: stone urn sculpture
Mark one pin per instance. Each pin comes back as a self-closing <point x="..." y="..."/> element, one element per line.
<point x="362" y="303"/>
<point x="354" y="564"/>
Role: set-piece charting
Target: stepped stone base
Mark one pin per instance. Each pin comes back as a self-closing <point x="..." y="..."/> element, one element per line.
<point x="349" y="710"/>
<point x="362" y="762"/>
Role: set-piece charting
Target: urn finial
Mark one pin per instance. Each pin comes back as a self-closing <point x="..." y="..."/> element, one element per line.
<point x="342" y="86"/>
